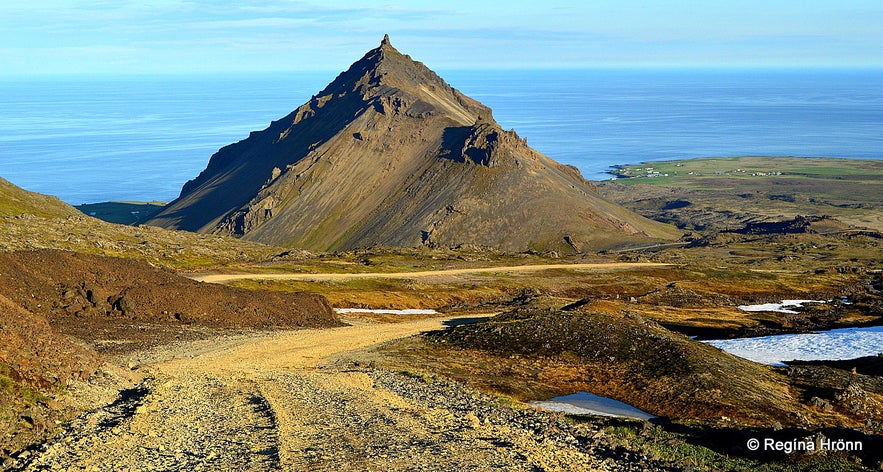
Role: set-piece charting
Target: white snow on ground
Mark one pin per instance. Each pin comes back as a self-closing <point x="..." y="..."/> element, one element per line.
<point x="386" y="312"/>
<point x="589" y="404"/>
<point x="846" y="343"/>
<point x="779" y="307"/>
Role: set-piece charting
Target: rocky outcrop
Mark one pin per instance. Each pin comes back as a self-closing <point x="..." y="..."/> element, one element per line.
<point x="390" y="154"/>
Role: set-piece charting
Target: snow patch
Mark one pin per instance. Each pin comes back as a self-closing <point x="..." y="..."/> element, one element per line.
<point x="779" y="307"/>
<point x="836" y="344"/>
<point x="584" y="403"/>
<point x="413" y="311"/>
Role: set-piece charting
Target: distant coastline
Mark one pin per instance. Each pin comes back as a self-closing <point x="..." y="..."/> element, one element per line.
<point x="722" y="165"/>
<point x="139" y="139"/>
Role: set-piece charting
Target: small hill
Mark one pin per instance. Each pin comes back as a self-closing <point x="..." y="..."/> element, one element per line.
<point x="551" y="351"/>
<point x="390" y="154"/>
<point x="15" y="201"/>
<point x="634" y="361"/>
<point x="109" y="306"/>
<point x="69" y="288"/>
<point x="32" y="221"/>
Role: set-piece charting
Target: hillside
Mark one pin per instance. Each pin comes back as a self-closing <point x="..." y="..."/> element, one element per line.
<point x="390" y="154"/>
<point x="632" y="360"/>
<point x="33" y="221"/>
<point x="36" y="366"/>
<point x="60" y="310"/>
<point x="15" y="201"/>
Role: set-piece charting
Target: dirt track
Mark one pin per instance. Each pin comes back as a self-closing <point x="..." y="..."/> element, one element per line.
<point x="280" y="402"/>
<point x="223" y="278"/>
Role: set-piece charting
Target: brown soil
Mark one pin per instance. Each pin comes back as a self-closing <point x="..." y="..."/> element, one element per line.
<point x="281" y="401"/>
<point x="35" y="362"/>
<point x="69" y="288"/>
<point x="536" y="352"/>
<point x="109" y="305"/>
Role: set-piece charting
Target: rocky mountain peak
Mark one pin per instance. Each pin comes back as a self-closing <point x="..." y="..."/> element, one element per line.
<point x="390" y="154"/>
<point x="384" y="73"/>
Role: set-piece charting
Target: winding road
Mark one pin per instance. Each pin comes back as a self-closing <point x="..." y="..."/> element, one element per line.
<point x="295" y="400"/>
<point x="280" y="401"/>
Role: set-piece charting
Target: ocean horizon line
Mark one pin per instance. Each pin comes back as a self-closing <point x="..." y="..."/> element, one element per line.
<point x="141" y="138"/>
<point x="14" y="76"/>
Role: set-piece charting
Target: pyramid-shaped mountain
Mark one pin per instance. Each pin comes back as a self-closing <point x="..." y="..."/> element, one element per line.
<point x="390" y="154"/>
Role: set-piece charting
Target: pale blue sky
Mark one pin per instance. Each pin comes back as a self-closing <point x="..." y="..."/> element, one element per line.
<point x="49" y="37"/>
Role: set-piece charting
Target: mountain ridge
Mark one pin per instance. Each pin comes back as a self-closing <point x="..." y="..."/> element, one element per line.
<point x="390" y="154"/>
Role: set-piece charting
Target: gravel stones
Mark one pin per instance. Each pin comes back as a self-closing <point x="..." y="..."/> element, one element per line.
<point x="328" y="419"/>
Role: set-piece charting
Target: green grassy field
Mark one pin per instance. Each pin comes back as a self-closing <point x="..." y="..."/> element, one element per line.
<point x="749" y="167"/>
<point x="124" y="213"/>
<point x="741" y="188"/>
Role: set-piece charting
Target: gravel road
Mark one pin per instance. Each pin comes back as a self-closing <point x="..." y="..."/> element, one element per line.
<point x="276" y="402"/>
<point x="600" y="266"/>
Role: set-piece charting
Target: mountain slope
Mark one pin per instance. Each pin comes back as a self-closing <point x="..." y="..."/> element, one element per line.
<point x="31" y="221"/>
<point x="390" y="154"/>
<point x="15" y="201"/>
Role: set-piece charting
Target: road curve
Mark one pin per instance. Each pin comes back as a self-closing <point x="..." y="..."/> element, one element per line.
<point x="275" y="402"/>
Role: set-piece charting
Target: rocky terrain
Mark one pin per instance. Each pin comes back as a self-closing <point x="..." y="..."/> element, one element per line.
<point x="67" y="304"/>
<point x="287" y="401"/>
<point x="93" y="333"/>
<point x="640" y="363"/>
<point x="63" y="310"/>
<point x="37" y="364"/>
<point x="390" y="154"/>
<point x="719" y="401"/>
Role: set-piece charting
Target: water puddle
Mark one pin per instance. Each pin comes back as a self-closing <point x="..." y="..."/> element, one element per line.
<point x="584" y="403"/>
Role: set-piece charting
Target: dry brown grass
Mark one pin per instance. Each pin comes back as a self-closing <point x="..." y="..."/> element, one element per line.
<point x="537" y="353"/>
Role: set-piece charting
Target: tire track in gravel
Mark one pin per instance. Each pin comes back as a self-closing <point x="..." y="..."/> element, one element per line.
<point x="222" y="409"/>
<point x="273" y="402"/>
<point x="201" y="422"/>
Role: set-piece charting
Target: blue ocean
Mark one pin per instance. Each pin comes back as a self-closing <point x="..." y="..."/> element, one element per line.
<point x="93" y="139"/>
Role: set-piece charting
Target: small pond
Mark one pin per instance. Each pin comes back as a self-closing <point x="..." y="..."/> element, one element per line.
<point x="589" y="404"/>
<point x="783" y="307"/>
